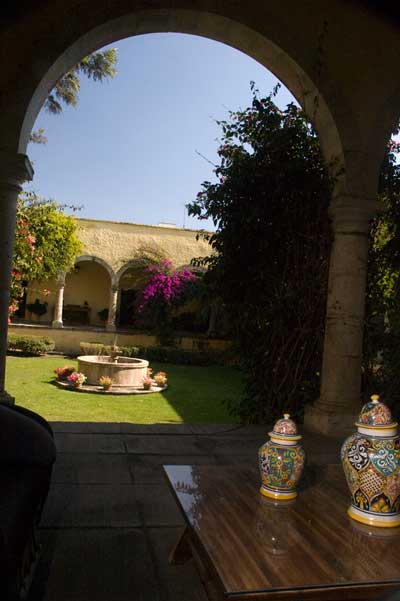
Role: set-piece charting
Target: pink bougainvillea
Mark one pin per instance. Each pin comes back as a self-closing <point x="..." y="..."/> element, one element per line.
<point x="165" y="289"/>
<point x="165" y="284"/>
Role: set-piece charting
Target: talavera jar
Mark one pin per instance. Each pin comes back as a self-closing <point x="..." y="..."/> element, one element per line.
<point x="281" y="461"/>
<point x="371" y="463"/>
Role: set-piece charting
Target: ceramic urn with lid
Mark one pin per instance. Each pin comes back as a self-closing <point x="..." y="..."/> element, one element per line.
<point x="371" y="463"/>
<point x="281" y="461"/>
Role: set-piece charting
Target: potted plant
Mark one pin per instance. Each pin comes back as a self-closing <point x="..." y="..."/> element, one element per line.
<point x="161" y="379"/>
<point x="37" y="308"/>
<point x="76" y="379"/>
<point x="147" y="383"/>
<point x="105" y="382"/>
<point x="62" y="373"/>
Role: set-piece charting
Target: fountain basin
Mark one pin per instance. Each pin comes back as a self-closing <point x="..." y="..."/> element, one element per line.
<point x="124" y="371"/>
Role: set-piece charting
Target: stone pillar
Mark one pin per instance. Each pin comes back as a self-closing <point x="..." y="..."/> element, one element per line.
<point x="340" y="401"/>
<point x="58" y="307"/>
<point x="14" y="170"/>
<point x="112" y="309"/>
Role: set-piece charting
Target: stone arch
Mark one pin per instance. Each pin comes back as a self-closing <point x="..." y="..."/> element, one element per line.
<point x="122" y="270"/>
<point x="98" y="260"/>
<point x="88" y="289"/>
<point x="338" y="104"/>
<point x="214" y="26"/>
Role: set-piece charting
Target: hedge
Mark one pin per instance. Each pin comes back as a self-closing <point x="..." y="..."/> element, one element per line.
<point x="167" y="354"/>
<point x="30" y="345"/>
<point x="161" y="354"/>
<point x="94" y="348"/>
<point x="97" y="348"/>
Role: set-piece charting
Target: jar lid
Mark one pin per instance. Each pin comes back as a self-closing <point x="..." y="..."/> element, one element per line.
<point x="285" y="425"/>
<point x="376" y="414"/>
<point x="285" y="431"/>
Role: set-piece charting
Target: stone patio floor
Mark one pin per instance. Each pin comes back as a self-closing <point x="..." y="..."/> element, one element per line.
<point x="110" y="520"/>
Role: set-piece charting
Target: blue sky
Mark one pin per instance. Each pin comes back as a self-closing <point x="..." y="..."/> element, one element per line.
<point x="128" y="151"/>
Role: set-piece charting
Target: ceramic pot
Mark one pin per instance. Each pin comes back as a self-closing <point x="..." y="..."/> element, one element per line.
<point x="281" y="461"/>
<point x="371" y="463"/>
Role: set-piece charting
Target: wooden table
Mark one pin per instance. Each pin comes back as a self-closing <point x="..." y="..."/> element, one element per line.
<point x="248" y="547"/>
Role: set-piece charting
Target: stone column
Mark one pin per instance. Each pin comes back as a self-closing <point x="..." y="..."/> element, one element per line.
<point x="340" y="401"/>
<point x="112" y="309"/>
<point x="58" y="307"/>
<point x="14" y="170"/>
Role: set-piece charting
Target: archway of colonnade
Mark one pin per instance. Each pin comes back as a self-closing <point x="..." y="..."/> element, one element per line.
<point x="302" y="55"/>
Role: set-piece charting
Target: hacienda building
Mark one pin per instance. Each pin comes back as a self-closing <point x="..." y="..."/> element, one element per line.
<point x="99" y="293"/>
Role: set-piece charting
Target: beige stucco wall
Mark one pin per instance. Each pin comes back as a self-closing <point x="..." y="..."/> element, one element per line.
<point x="68" y="340"/>
<point x="118" y="243"/>
<point x="113" y="244"/>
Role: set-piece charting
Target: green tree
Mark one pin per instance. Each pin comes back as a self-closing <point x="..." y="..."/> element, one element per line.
<point x="98" y="66"/>
<point x="46" y="243"/>
<point x="270" y="266"/>
<point x="272" y="245"/>
<point x="381" y="371"/>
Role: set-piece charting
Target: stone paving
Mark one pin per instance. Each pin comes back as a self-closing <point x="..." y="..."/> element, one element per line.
<point x="110" y="520"/>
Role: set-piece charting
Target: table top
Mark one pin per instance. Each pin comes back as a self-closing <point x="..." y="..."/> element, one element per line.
<point x="257" y="545"/>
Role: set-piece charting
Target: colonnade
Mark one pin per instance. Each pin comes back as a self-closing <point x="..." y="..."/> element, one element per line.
<point x="58" y="321"/>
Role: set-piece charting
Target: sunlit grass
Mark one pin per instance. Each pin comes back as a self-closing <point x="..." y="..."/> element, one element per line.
<point x="194" y="395"/>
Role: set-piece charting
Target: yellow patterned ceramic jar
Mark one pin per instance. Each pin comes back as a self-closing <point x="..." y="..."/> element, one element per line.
<point x="281" y="461"/>
<point x="371" y="463"/>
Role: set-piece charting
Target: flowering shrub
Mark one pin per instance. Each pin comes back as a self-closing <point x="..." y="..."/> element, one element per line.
<point x="165" y="283"/>
<point x="62" y="373"/>
<point x="165" y="289"/>
<point x="160" y="378"/>
<point x="105" y="381"/>
<point x="45" y="244"/>
<point x="76" y="379"/>
<point x="269" y="266"/>
<point x="147" y="383"/>
<point x="270" y="253"/>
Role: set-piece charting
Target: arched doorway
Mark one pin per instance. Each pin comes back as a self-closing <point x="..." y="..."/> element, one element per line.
<point x="129" y="286"/>
<point x="87" y="292"/>
<point x="299" y="65"/>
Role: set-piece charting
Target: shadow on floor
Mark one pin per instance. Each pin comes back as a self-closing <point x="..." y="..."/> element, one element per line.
<point x="110" y="520"/>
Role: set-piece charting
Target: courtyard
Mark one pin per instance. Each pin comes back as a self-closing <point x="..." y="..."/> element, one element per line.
<point x="195" y="395"/>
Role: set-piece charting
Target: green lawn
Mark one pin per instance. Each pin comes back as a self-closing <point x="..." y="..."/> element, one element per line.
<point x="194" y="395"/>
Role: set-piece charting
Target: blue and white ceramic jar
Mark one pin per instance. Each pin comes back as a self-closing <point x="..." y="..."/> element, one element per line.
<point x="371" y="463"/>
<point x="281" y="461"/>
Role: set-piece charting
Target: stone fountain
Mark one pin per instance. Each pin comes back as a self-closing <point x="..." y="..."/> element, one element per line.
<point x="125" y="372"/>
